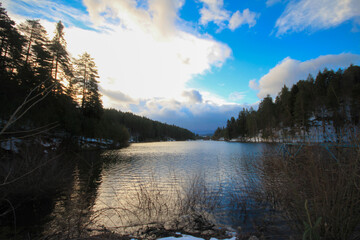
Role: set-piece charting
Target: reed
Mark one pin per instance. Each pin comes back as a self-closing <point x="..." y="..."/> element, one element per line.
<point x="146" y="211"/>
<point x="318" y="195"/>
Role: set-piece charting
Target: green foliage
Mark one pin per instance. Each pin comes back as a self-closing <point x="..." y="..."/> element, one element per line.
<point x="311" y="230"/>
<point x="219" y="133"/>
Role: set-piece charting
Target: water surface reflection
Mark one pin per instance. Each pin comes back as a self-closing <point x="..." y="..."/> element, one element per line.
<point x="157" y="182"/>
<point x="166" y="172"/>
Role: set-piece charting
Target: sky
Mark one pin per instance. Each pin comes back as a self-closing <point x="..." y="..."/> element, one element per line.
<point x="196" y="63"/>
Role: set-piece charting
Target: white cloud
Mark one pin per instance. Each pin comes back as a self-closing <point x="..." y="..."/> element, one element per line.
<point x="253" y="84"/>
<point x="213" y="11"/>
<point x="193" y="96"/>
<point x="139" y="51"/>
<point x="47" y="9"/>
<point x="164" y="14"/>
<point x="289" y="71"/>
<point x="202" y="117"/>
<point x="149" y="56"/>
<point x="237" y="96"/>
<point x="270" y="3"/>
<point x="246" y="17"/>
<point x="140" y="65"/>
<point x="315" y="15"/>
<point x="145" y="60"/>
<point x="118" y="97"/>
<point x="197" y="111"/>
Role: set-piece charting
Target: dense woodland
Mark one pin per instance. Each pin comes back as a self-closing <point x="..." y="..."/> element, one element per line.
<point x="330" y="99"/>
<point x="42" y="87"/>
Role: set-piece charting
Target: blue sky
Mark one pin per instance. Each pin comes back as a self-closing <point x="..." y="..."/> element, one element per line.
<point x="196" y="63"/>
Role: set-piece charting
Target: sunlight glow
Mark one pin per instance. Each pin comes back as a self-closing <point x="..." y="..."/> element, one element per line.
<point x="144" y="63"/>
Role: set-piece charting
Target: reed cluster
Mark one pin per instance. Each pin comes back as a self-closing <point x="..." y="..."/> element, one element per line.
<point x="317" y="190"/>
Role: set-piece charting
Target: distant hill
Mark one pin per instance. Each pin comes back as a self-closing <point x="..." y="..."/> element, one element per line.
<point x="144" y="129"/>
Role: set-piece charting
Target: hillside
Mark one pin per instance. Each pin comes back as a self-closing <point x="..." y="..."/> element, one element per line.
<point x="324" y="108"/>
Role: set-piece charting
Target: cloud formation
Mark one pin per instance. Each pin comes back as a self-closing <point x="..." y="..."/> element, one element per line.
<point x="289" y="71"/>
<point x="193" y="96"/>
<point x="246" y="17"/>
<point x="201" y="112"/>
<point x="201" y="117"/>
<point x="253" y="84"/>
<point x="213" y="11"/>
<point x="50" y="10"/>
<point x="270" y="3"/>
<point x="315" y="15"/>
<point x="237" y="96"/>
<point x="144" y="57"/>
<point x="145" y="54"/>
<point x="118" y="98"/>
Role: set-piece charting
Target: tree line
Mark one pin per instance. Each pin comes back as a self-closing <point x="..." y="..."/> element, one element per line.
<point x="144" y="129"/>
<point x="61" y="90"/>
<point x="332" y="98"/>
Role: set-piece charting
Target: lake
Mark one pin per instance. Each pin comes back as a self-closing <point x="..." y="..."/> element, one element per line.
<point x="150" y="182"/>
<point x="217" y="171"/>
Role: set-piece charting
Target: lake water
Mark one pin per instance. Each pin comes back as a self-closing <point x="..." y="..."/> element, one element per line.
<point x="213" y="170"/>
<point x="149" y="182"/>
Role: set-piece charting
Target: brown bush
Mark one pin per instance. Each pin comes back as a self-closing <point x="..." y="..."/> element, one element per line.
<point x="317" y="185"/>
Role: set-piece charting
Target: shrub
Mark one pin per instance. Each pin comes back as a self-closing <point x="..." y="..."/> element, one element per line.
<point x="317" y="191"/>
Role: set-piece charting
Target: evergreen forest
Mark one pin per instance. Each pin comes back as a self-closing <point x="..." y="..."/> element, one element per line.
<point x="331" y="100"/>
<point x="44" y="89"/>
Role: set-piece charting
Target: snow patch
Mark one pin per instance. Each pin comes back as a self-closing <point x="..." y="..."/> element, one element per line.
<point x="188" y="237"/>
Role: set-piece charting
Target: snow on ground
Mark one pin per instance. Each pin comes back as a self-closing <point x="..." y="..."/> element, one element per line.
<point x="10" y="144"/>
<point x="188" y="237"/>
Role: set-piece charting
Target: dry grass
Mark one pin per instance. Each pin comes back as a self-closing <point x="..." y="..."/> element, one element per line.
<point x="150" y="204"/>
<point x="147" y="206"/>
<point x="319" y="196"/>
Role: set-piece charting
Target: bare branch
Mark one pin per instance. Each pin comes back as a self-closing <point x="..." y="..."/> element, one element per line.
<point x="36" y="133"/>
<point x="29" y="172"/>
<point x="22" y="109"/>
<point x="32" y="130"/>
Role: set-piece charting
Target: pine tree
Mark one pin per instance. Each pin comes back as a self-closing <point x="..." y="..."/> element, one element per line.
<point x="42" y="64"/>
<point x="351" y="92"/>
<point x="11" y="44"/>
<point x="283" y="102"/>
<point x="266" y="116"/>
<point x="33" y="59"/>
<point x="34" y="33"/>
<point x="242" y="130"/>
<point x="231" y="128"/>
<point x="303" y="104"/>
<point x="86" y="84"/>
<point x="251" y="123"/>
<point x="60" y="59"/>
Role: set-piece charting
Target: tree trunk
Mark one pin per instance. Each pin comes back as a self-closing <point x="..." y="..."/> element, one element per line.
<point x="29" y="47"/>
<point x="84" y="89"/>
